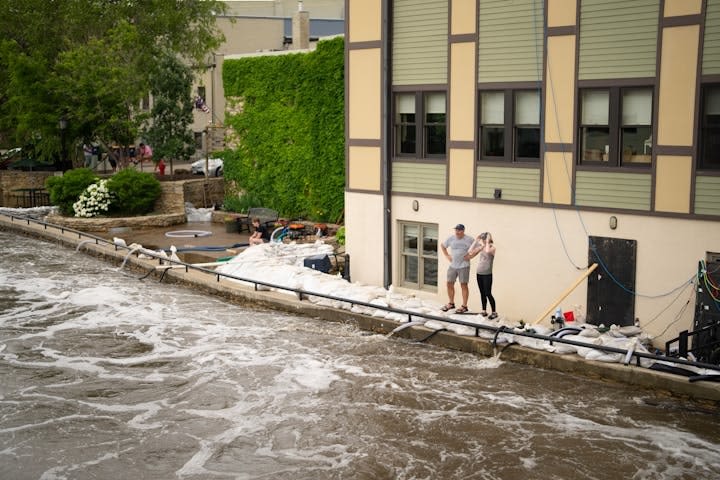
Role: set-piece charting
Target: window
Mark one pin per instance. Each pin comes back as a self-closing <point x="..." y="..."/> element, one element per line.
<point x="616" y="126"/>
<point x="406" y="127"/>
<point x="709" y="157"/>
<point x="510" y="125"/>
<point x="435" y="131"/>
<point x="418" y="256"/>
<point x="420" y="121"/>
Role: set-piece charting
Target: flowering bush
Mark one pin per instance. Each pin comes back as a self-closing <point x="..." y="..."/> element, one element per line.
<point x="94" y="201"/>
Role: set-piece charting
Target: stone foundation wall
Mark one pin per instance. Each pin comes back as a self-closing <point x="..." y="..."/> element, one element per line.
<point x="201" y="193"/>
<point x="105" y="224"/>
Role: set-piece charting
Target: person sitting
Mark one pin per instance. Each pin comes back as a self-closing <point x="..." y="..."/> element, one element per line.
<point x="145" y="153"/>
<point x="260" y="235"/>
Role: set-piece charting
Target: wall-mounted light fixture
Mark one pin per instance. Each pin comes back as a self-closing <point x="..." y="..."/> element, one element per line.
<point x="415" y="205"/>
<point x="613" y="222"/>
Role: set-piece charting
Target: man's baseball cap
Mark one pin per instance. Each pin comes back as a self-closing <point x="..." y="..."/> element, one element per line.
<point x="459" y="226"/>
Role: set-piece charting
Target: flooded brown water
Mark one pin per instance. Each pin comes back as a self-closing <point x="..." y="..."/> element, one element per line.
<point x="106" y="376"/>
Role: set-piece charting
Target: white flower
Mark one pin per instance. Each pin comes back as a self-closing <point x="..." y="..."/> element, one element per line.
<point x="93" y="201"/>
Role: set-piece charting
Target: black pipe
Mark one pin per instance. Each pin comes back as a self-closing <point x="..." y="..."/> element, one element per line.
<point x="431" y="334"/>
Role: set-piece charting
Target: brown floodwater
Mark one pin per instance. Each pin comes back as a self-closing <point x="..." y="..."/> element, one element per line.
<point x="107" y="376"/>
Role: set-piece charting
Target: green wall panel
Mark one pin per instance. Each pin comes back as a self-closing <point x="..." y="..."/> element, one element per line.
<point x="427" y="178"/>
<point x="613" y="190"/>
<point x="510" y="40"/>
<point x="519" y="184"/>
<point x="711" y="40"/>
<point x="707" y="195"/>
<point x="618" y="38"/>
<point x="420" y="42"/>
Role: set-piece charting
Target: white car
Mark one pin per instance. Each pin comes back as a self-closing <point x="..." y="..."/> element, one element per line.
<point x="215" y="167"/>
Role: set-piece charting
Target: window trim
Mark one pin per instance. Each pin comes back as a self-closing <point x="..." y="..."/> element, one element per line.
<point x="615" y="127"/>
<point x="509" y="126"/>
<point x="420" y="127"/>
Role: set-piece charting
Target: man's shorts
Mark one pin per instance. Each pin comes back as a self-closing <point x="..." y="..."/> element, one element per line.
<point x="463" y="274"/>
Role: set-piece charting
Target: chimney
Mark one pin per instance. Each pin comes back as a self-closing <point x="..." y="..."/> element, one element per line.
<point x="301" y="29"/>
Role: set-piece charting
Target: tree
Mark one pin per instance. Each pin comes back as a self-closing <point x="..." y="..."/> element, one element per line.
<point x="90" y="62"/>
<point x="171" y="86"/>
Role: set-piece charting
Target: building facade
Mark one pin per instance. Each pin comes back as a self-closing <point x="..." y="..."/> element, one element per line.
<point x="578" y="132"/>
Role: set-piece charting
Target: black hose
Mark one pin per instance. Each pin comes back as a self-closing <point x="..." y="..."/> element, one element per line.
<point x="431" y="334"/>
<point x="709" y="378"/>
<point x="147" y="274"/>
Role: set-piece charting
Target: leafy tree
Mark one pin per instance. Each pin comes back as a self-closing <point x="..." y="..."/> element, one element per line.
<point x="171" y="86"/>
<point x="90" y="61"/>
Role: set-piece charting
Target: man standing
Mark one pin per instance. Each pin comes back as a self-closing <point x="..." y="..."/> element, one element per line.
<point x="455" y="248"/>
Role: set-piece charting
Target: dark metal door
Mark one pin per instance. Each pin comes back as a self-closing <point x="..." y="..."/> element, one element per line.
<point x="610" y="296"/>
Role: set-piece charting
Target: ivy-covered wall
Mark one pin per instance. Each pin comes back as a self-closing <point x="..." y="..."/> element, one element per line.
<point x="290" y="153"/>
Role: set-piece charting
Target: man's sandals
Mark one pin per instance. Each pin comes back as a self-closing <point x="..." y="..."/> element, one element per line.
<point x="462" y="309"/>
<point x="447" y="307"/>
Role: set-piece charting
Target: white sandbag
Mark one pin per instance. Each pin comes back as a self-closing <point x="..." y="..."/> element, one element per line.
<point x="197" y="214"/>
<point x="600" y="356"/>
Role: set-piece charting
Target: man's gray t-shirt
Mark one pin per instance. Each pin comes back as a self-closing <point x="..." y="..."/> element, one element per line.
<point x="458" y="248"/>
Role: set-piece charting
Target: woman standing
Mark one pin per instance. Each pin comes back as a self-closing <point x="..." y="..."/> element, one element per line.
<point x="485" y="248"/>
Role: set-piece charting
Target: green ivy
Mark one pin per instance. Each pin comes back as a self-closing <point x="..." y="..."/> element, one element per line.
<point x="291" y="153"/>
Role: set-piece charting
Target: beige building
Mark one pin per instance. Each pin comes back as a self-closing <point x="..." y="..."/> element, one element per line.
<point x="576" y="131"/>
<point x="257" y="26"/>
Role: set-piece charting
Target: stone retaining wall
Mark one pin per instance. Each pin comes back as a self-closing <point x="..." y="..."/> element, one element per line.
<point x="12" y="179"/>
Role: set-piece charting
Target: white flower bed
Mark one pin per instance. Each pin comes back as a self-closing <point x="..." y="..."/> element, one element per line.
<point x="94" y="201"/>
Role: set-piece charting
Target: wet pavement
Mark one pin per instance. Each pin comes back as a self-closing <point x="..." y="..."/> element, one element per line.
<point x="192" y="235"/>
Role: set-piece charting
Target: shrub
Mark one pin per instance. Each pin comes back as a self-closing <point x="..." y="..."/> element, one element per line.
<point x="241" y="204"/>
<point x="340" y="235"/>
<point x="135" y="192"/>
<point x="66" y="190"/>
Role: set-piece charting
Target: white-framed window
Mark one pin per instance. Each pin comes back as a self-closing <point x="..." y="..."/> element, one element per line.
<point x="420" y="121"/>
<point x="615" y="126"/>
<point x="510" y="125"/>
<point x="419" y="255"/>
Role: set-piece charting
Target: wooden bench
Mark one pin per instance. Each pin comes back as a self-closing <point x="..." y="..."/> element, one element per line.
<point x="267" y="217"/>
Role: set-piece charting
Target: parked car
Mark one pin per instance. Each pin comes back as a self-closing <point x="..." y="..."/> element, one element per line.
<point x="7" y="158"/>
<point x="215" y="167"/>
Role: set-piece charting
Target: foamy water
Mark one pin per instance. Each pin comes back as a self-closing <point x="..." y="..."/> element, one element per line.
<point x="105" y="376"/>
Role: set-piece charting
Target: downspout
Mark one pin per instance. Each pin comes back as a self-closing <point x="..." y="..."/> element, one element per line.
<point x="385" y="149"/>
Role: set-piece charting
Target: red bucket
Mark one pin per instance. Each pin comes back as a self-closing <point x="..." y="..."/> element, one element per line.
<point x="569" y="316"/>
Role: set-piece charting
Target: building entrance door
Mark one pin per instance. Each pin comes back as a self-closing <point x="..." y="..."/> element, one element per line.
<point x="610" y="297"/>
